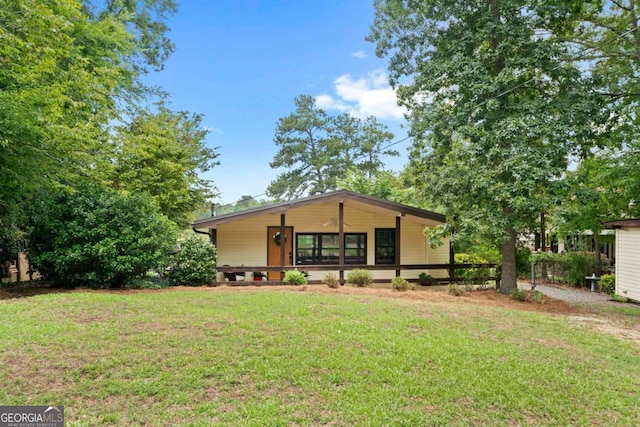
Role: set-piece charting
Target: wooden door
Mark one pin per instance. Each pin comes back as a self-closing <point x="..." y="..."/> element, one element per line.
<point x="273" y="242"/>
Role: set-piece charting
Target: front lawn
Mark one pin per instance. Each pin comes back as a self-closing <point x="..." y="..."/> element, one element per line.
<point x="279" y="358"/>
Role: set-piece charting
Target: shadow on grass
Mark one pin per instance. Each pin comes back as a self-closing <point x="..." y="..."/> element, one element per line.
<point x="15" y="290"/>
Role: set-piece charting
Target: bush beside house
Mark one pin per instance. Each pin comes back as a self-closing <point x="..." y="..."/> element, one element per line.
<point x="194" y="264"/>
<point x="98" y="238"/>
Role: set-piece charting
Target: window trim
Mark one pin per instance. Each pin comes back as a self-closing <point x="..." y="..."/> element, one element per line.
<point x="375" y="253"/>
<point x="318" y="256"/>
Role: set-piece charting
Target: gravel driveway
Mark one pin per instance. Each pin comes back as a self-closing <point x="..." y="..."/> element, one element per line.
<point x="573" y="296"/>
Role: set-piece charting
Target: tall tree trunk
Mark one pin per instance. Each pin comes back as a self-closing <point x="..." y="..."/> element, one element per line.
<point x="509" y="275"/>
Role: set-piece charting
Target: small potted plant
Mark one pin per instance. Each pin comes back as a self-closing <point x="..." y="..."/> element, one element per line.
<point x="425" y="279"/>
<point x="258" y="276"/>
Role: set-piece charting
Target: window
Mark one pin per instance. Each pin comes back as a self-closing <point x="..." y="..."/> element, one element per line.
<point x="323" y="248"/>
<point x="385" y="245"/>
<point x="355" y="248"/>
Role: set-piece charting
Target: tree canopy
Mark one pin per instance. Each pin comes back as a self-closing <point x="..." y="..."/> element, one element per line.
<point x="315" y="149"/>
<point x="496" y="109"/>
<point x="164" y="154"/>
<point x="60" y="73"/>
<point x="73" y="108"/>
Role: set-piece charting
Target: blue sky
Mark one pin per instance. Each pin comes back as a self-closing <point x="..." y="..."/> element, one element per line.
<point x="241" y="63"/>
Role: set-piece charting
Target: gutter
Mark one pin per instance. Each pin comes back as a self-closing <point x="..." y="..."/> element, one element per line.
<point x="195" y="230"/>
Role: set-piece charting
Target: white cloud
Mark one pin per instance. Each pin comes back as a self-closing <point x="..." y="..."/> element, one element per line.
<point x="212" y="129"/>
<point x="359" y="54"/>
<point x="366" y="96"/>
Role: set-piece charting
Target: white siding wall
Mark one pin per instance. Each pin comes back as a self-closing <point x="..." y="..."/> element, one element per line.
<point x="628" y="263"/>
<point x="244" y="242"/>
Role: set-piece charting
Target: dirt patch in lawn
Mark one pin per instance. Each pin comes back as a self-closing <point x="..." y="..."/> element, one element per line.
<point x="607" y="326"/>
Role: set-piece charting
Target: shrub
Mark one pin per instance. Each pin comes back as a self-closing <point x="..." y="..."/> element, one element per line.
<point x="456" y="290"/>
<point x="360" y="277"/>
<point x="471" y="275"/>
<point x="537" y="296"/>
<point x="148" y="283"/>
<point x="519" y="294"/>
<point x="295" y="277"/>
<point x="331" y="280"/>
<point x="400" y="284"/>
<point x="578" y="265"/>
<point x="98" y="237"/>
<point x="539" y="257"/>
<point x="572" y="266"/>
<point x="195" y="263"/>
<point x="607" y="283"/>
<point x="486" y="251"/>
<point x="426" y="279"/>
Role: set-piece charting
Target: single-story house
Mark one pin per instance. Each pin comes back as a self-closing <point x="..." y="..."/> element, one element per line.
<point x="627" y="257"/>
<point x="335" y="231"/>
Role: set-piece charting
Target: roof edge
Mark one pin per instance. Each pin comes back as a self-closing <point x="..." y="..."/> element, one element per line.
<point x="629" y="222"/>
<point x="290" y="204"/>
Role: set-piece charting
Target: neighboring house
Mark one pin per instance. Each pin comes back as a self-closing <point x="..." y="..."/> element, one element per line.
<point x="18" y="270"/>
<point x="384" y="237"/>
<point x="627" y="257"/>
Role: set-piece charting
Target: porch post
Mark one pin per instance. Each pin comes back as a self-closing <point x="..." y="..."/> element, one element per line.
<point x="397" y="243"/>
<point x="341" y="239"/>
<point x="283" y="243"/>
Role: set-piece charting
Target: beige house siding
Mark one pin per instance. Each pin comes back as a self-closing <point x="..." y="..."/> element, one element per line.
<point x="628" y="263"/>
<point x="244" y="242"/>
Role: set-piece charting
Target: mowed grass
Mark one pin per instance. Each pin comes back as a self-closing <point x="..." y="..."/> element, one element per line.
<point x="272" y="358"/>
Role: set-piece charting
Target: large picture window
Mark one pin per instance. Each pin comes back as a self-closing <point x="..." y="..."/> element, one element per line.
<point x="324" y="248"/>
<point x="385" y="245"/>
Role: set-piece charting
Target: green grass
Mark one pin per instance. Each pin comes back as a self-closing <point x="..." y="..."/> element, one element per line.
<point x="273" y="358"/>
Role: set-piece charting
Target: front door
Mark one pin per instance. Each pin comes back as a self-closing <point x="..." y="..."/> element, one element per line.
<point x="274" y="242"/>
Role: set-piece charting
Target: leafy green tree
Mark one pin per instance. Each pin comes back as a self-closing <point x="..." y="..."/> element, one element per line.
<point x="145" y="21"/>
<point x="600" y="189"/>
<point x="609" y="33"/>
<point x="98" y="238"/>
<point x="383" y="184"/>
<point x="58" y="77"/>
<point x="244" y="202"/>
<point x="316" y="149"/>
<point x="359" y="143"/>
<point x="304" y="150"/>
<point x="163" y="154"/>
<point x="495" y="109"/>
<point x="68" y="69"/>
<point x="606" y="180"/>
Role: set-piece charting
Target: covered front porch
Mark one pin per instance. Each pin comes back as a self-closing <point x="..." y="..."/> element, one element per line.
<point x="337" y="232"/>
<point x="242" y="275"/>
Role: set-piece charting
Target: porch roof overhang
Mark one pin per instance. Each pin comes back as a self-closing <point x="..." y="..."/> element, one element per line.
<point x="631" y="222"/>
<point x="340" y="195"/>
